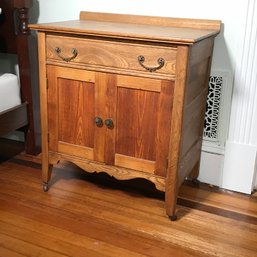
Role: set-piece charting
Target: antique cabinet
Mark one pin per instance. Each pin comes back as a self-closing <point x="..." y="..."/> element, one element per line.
<point x="125" y="95"/>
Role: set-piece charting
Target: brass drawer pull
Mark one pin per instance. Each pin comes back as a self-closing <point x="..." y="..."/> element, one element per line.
<point x="160" y="61"/>
<point x="74" y="51"/>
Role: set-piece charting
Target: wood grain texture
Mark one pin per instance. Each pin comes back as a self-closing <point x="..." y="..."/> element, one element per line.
<point x="110" y="114"/>
<point x="76" y="104"/>
<point x="161" y="31"/>
<point x="164" y="127"/>
<point x="120" y="173"/>
<point x="134" y="163"/>
<point x="43" y="107"/>
<point x="98" y="216"/>
<point x="101" y="99"/>
<point x="151" y="20"/>
<point x="71" y="98"/>
<point x="140" y="83"/>
<point x="195" y="106"/>
<point x="193" y="121"/>
<point x="111" y="55"/>
<point x="80" y="151"/>
<point x="172" y="178"/>
<point x="137" y="112"/>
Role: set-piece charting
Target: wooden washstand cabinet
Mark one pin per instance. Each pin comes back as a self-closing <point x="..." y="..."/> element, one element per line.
<point x="125" y="95"/>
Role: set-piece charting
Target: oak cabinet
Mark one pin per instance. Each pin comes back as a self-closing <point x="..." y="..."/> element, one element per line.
<point x="125" y="95"/>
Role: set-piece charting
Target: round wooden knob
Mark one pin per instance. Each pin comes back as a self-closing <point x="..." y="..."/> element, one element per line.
<point x="98" y="122"/>
<point x="109" y="123"/>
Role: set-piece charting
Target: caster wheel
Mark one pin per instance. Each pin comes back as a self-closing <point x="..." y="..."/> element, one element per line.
<point x="45" y="187"/>
<point x="173" y="217"/>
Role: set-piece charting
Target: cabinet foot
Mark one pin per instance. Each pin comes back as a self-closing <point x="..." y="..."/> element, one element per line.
<point x="173" y="217"/>
<point x="193" y="181"/>
<point x="45" y="187"/>
<point x="196" y="181"/>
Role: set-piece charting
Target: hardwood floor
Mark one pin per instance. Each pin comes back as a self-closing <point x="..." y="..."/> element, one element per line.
<point x="95" y="215"/>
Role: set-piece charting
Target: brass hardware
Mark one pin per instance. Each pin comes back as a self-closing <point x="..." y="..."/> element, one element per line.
<point x="99" y="122"/>
<point x="160" y="61"/>
<point x="74" y="51"/>
<point x="109" y="123"/>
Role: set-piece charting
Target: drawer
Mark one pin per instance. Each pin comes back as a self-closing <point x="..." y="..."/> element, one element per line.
<point x="111" y="55"/>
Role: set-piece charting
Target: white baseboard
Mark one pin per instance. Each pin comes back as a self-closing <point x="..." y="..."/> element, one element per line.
<point x="239" y="167"/>
<point x="255" y="185"/>
<point x="211" y="167"/>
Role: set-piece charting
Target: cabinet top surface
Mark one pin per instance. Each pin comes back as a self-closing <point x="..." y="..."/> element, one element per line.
<point x="135" y="27"/>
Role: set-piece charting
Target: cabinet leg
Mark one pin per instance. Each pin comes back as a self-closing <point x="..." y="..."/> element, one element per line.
<point x="196" y="181"/>
<point x="173" y="217"/>
<point x="45" y="186"/>
<point x="195" y="171"/>
<point x="170" y="204"/>
<point x="46" y="175"/>
<point x="194" y="174"/>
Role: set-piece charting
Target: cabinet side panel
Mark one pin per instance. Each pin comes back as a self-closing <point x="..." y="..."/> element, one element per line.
<point x="194" y="110"/>
<point x="195" y="102"/>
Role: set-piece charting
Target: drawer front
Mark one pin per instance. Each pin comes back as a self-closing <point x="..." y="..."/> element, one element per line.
<point x="111" y="55"/>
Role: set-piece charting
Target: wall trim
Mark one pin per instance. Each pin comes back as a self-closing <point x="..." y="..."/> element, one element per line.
<point x="240" y="151"/>
<point x="211" y="166"/>
<point x="239" y="167"/>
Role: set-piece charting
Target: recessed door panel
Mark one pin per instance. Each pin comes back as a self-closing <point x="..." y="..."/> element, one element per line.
<point x="136" y="123"/>
<point x="71" y="110"/>
<point x="143" y="123"/>
<point x="76" y="112"/>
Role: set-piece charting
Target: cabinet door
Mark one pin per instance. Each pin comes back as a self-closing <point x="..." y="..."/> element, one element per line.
<point x="139" y="110"/>
<point x="71" y="111"/>
<point x="142" y="123"/>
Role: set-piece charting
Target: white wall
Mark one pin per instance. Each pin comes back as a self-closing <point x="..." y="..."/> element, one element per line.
<point x="228" y="51"/>
<point x="241" y="149"/>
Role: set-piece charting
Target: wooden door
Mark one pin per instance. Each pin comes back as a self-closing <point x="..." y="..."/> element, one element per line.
<point x="71" y="111"/>
<point x="76" y="99"/>
<point x="135" y="114"/>
<point x="142" y="123"/>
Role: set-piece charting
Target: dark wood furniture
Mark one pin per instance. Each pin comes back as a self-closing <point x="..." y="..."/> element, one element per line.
<point x="126" y="95"/>
<point x="14" y="36"/>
